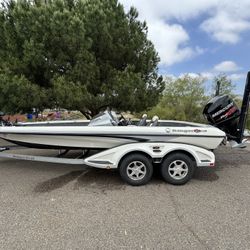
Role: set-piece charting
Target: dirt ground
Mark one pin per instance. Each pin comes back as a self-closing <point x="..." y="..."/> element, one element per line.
<point x="49" y="206"/>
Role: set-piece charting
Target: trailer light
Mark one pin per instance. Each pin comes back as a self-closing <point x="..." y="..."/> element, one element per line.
<point x="211" y="164"/>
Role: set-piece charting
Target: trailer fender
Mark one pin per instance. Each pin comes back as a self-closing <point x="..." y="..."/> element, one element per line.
<point x="110" y="158"/>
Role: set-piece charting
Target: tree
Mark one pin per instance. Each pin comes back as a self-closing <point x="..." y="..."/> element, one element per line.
<point x="19" y="95"/>
<point x="83" y="54"/>
<point x="226" y="85"/>
<point x="183" y="99"/>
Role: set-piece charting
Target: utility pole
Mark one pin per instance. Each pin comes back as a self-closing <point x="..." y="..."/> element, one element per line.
<point x="217" y="91"/>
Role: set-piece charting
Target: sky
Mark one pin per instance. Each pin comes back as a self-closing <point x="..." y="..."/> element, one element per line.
<point x="206" y="37"/>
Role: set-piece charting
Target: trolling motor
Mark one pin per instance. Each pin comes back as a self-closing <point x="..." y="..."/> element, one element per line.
<point x="223" y="113"/>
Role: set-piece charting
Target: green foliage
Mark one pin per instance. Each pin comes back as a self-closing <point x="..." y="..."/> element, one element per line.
<point x="183" y="99"/>
<point x="226" y="85"/>
<point x="83" y="54"/>
<point x="20" y="94"/>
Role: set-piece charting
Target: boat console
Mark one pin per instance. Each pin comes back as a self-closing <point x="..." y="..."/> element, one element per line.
<point x="110" y="118"/>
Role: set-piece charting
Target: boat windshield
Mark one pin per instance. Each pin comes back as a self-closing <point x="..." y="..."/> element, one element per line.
<point x="106" y="118"/>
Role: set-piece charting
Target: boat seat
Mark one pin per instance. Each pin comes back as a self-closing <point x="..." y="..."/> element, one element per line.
<point x="143" y="121"/>
<point x="154" y="121"/>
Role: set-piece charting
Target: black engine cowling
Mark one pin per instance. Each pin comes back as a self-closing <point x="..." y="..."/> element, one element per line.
<point x="222" y="112"/>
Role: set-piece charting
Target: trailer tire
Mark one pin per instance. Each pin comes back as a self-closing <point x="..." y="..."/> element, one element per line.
<point x="177" y="168"/>
<point x="136" y="169"/>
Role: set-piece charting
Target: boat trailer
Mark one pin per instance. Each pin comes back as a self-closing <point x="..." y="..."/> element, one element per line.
<point x="136" y="161"/>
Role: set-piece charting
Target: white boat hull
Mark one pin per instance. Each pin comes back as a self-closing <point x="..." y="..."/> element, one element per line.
<point x="108" y="137"/>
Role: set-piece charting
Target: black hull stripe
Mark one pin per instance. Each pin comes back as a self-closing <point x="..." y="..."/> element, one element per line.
<point x="134" y="136"/>
<point x="45" y="146"/>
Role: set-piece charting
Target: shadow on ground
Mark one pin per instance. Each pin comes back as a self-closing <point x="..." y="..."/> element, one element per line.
<point x="99" y="180"/>
<point x="206" y="174"/>
<point x="227" y="157"/>
<point x="95" y="179"/>
<point x="58" y="182"/>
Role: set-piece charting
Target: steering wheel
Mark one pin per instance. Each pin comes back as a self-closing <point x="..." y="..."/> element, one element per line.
<point x="122" y="121"/>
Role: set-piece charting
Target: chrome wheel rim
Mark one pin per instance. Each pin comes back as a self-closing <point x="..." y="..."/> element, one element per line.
<point x="136" y="170"/>
<point x="178" y="169"/>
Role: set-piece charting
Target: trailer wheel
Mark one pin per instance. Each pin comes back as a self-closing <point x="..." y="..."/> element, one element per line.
<point x="136" y="169"/>
<point x="177" y="168"/>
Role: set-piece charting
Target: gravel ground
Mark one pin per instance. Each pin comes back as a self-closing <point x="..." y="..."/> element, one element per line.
<point x="49" y="206"/>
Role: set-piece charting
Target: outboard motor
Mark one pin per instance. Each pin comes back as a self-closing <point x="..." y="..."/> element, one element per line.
<point x="222" y="112"/>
